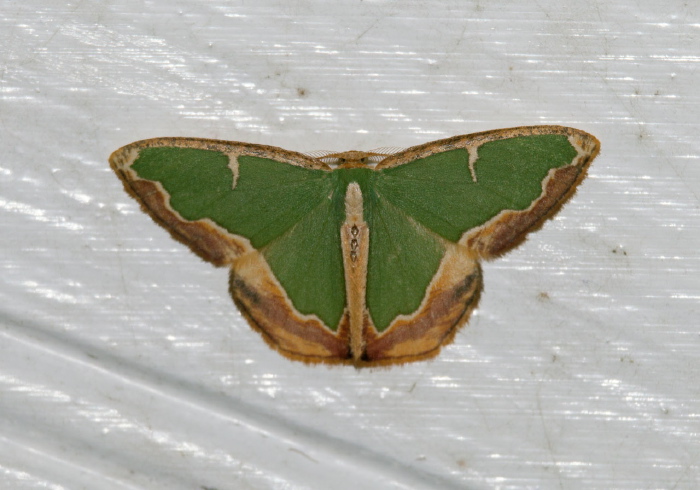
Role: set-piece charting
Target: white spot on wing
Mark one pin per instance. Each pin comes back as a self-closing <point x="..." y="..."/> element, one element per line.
<point x="473" y="157"/>
<point x="233" y="165"/>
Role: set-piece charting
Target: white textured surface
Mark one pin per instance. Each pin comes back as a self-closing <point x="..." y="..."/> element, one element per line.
<point x="125" y="365"/>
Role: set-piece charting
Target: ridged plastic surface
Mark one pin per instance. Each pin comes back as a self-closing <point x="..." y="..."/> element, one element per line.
<point x="124" y="363"/>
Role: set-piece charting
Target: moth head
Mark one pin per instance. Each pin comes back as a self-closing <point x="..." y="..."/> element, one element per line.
<point x="353" y="159"/>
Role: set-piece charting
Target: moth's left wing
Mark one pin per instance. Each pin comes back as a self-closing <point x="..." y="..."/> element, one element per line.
<point x="488" y="190"/>
<point x="265" y="212"/>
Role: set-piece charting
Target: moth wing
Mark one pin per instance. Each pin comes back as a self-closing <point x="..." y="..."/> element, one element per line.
<point x="265" y="212"/>
<point x="187" y="186"/>
<point x="480" y="194"/>
<point x="488" y="190"/>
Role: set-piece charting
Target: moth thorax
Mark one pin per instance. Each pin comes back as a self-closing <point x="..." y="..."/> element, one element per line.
<point x="353" y="203"/>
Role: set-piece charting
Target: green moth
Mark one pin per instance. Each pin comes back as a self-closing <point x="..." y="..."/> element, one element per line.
<point x="357" y="257"/>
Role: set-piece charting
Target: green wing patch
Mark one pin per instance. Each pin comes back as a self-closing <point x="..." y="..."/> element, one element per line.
<point x="439" y="191"/>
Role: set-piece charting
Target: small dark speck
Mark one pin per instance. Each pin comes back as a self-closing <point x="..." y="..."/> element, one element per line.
<point x="618" y="250"/>
<point x="301" y="92"/>
<point x="543" y="296"/>
<point x="461" y="463"/>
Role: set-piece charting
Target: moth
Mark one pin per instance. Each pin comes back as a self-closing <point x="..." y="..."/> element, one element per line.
<point x="357" y="258"/>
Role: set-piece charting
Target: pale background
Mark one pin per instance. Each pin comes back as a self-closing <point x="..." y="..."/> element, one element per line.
<point x="124" y="363"/>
